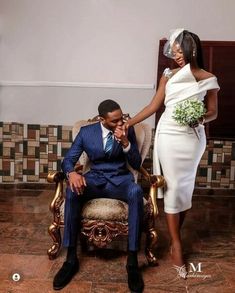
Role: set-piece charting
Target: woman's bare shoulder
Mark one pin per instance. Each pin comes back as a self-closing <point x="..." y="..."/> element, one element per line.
<point x="175" y="70"/>
<point x="202" y="74"/>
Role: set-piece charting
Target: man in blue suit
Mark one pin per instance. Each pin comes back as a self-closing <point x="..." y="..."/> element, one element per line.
<point x="109" y="148"/>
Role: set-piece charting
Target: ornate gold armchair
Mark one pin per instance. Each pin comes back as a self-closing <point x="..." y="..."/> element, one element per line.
<point x="104" y="219"/>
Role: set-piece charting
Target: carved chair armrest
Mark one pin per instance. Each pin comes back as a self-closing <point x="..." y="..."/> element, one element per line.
<point x="155" y="181"/>
<point x="58" y="179"/>
<point x="55" y="177"/>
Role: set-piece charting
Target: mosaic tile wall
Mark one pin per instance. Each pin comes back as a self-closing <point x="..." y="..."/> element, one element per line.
<point x="28" y="152"/>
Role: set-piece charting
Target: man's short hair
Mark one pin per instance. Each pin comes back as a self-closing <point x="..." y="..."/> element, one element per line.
<point x="107" y="106"/>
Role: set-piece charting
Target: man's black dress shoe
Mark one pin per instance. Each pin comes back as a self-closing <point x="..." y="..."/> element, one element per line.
<point x="65" y="274"/>
<point x="135" y="280"/>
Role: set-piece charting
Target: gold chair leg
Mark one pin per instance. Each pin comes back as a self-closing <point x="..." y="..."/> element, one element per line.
<point x="151" y="240"/>
<point x="54" y="232"/>
<point x="152" y="213"/>
<point x="55" y="206"/>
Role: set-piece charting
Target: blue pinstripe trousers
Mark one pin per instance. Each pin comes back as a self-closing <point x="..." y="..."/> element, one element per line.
<point x="127" y="191"/>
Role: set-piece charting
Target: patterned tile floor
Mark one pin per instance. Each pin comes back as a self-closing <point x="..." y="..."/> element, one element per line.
<point x="208" y="236"/>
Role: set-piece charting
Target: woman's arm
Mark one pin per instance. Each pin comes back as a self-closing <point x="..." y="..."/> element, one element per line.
<point x="210" y="99"/>
<point x="211" y="103"/>
<point x="153" y="106"/>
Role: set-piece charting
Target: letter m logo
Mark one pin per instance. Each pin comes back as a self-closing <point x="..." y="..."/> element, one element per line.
<point x="194" y="268"/>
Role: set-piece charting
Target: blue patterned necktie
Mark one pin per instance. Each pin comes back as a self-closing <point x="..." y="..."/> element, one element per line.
<point x="109" y="143"/>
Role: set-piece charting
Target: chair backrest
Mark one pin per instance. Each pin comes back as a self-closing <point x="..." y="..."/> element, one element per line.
<point x="143" y="133"/>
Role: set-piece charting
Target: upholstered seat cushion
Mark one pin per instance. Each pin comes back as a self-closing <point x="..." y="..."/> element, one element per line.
<point x="105" y="209"/>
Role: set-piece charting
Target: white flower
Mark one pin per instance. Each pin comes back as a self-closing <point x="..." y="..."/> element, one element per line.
<point x="188" y="111"/>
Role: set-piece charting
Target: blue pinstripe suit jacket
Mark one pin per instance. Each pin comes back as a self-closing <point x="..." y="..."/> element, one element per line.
<point x="113" y="167"/>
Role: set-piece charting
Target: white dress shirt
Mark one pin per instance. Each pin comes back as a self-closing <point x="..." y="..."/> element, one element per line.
<point x="105" y="133"/>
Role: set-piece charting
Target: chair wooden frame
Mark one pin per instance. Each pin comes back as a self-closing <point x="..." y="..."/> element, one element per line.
<point x="94" y="231"/>
<point x="101" y="232"/>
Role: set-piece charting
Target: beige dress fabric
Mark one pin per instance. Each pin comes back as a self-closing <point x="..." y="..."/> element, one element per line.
<point x="177" y="150"/>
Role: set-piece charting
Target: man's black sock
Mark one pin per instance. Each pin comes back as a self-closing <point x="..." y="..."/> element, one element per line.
<point x="72" y="254"/>
<point x="132" y="258"/>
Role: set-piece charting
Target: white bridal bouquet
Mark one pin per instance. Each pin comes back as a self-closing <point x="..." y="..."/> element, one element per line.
<point x="188" y="112"/>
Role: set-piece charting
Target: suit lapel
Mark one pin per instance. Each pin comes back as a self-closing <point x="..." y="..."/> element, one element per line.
<point x="97" y="138"/>
<point x="98" y="141"/>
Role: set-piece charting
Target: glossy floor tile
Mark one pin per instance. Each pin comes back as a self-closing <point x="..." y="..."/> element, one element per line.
<point x="208" y="237"/>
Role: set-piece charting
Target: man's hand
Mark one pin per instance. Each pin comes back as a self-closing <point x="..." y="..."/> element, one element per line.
<point x="77" y="182"/>
<point x="121" y="135"/>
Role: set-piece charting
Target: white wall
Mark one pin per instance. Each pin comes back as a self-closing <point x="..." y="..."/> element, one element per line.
<point x="59" y="59"/>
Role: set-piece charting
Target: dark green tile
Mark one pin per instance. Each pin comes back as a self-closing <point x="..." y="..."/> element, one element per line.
<point x="34" y="126"/>
<point x="12" y="153"/>
<point x="28" y="172"/>
<point x="203" y="172"/>
<point x="59" y="133"/>
<point x="6" y="173"/>
<point x="233" y="151"/>
<point x="45" y="169"/>
<point x="25" y="148"/>
<point x="59" y="165"/>
<point x="210" y="157"/>
<point x="223" y="171"/>
<point x="54" y="149"/>
<point x="37" y="152"/>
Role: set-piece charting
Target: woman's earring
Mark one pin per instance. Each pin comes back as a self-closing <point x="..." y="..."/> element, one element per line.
<point x="194" y="53"/>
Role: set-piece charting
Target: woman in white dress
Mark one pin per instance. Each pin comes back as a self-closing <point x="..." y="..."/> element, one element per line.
<point x="177" y="148"/>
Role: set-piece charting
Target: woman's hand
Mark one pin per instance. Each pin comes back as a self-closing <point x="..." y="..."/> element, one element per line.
<point x="125" y="127"/>
<point x="120" y="135"/>
<point x="195" y="124"/>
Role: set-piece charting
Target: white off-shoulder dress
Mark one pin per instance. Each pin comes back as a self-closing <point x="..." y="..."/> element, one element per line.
<point x="177" y="150"/>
